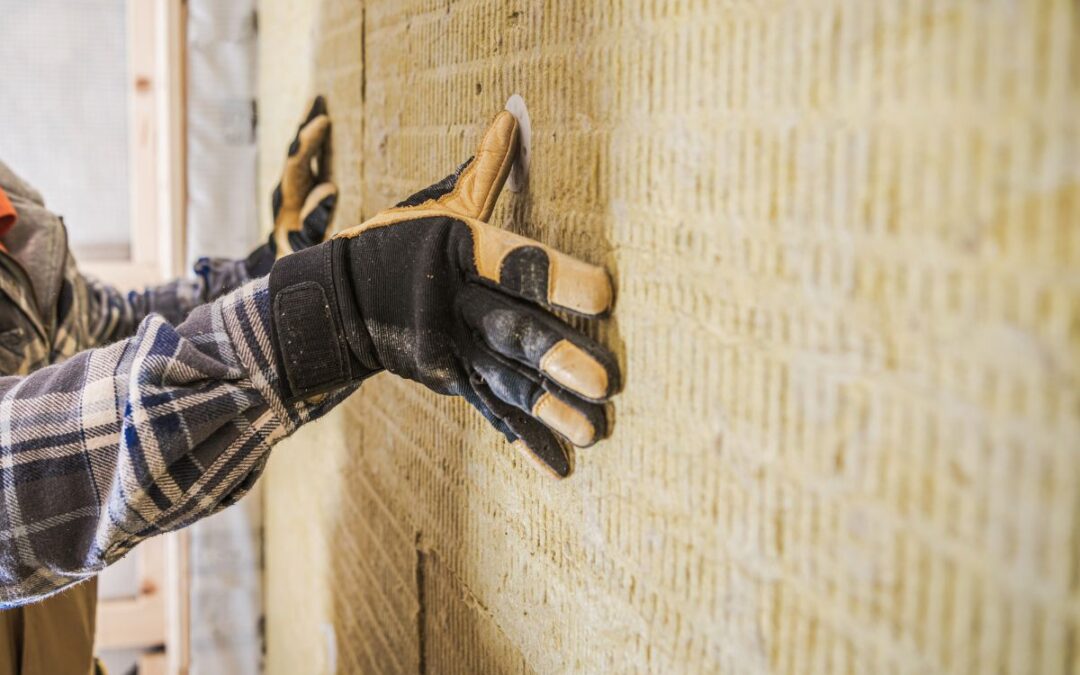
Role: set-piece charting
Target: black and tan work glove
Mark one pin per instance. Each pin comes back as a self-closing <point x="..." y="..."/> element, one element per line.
<point x="304" y="199"/>
<point x="431" y="292"/>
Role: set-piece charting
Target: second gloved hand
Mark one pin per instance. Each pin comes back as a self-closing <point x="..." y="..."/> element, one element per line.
<point x="304" y="200"/>
<point x="429" y="291"/>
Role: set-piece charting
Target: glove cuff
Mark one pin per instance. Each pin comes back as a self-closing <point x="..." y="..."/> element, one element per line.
<point x="309" y="332"/>
<point x="261" y="260"/>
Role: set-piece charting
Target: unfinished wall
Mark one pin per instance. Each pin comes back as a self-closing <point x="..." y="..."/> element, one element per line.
<point x="845" y="240"/>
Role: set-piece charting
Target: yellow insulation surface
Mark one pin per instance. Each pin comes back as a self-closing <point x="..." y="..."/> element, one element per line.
<point x="845" y="237"/>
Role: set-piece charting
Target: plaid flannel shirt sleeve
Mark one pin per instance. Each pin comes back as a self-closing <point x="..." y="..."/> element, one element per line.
<point x="114" y="315"/>
<point x="140" y="437"/>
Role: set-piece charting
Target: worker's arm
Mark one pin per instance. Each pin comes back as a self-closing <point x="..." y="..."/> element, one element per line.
<point x="114" y="314"/>
<point x="137" y="438"/>
<point x="303" y="206"/>
<point x="151" y="433"/>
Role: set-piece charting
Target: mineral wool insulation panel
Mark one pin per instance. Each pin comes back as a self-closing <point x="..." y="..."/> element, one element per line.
<point x="844" y="237"/>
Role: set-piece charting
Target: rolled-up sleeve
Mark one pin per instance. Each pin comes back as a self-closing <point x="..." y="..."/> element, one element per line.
<point x="140" y="437"/>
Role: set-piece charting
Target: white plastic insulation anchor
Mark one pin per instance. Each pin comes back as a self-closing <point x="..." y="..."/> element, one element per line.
<point x="519" y="174"/>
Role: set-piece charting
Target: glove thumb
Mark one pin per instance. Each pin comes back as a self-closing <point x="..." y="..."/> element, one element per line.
<point x="473" y="189"/>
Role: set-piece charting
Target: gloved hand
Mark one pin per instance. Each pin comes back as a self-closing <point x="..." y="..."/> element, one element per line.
<point x="431" y="292"/>
<point x="304" y="200"/>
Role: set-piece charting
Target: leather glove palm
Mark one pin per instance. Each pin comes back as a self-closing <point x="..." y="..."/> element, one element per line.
<point x="431" y="292"/>
<point x="304" y="199"/>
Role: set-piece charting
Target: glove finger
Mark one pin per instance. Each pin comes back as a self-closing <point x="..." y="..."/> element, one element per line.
<point x="298" y="177"/>
<point x="579" y="421"/>
<point x="477" y="188"/>
<point x="529" y="269"/>
<point x="318" y="107"/>
<point x="542" y="342"/>
<point x="318" y="213"/>
<point x="277" y="199"/>
<point x="481" y="404"/>
<point x="315" y="110"/>
<point x="536" y="441"/>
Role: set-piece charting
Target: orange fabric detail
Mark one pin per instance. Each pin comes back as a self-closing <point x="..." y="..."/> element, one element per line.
<point x="7" y="216"/>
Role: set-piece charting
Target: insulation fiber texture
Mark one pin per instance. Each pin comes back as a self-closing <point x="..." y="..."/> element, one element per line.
<point x="846" y="243"/>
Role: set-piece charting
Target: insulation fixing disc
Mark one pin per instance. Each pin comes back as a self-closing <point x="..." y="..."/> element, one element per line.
<point x="519" y="174"/>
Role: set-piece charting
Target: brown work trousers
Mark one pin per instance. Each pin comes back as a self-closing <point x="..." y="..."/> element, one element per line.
<point x="51" y="637"/>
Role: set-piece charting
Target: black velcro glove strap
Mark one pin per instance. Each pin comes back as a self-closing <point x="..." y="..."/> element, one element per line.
<point x="308" y="332"/>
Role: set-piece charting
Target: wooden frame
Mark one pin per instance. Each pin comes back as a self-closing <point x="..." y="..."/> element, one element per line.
<point x="171" y="60"/>
<point x="156" y="59"/>
<point x="139" y="621"/>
